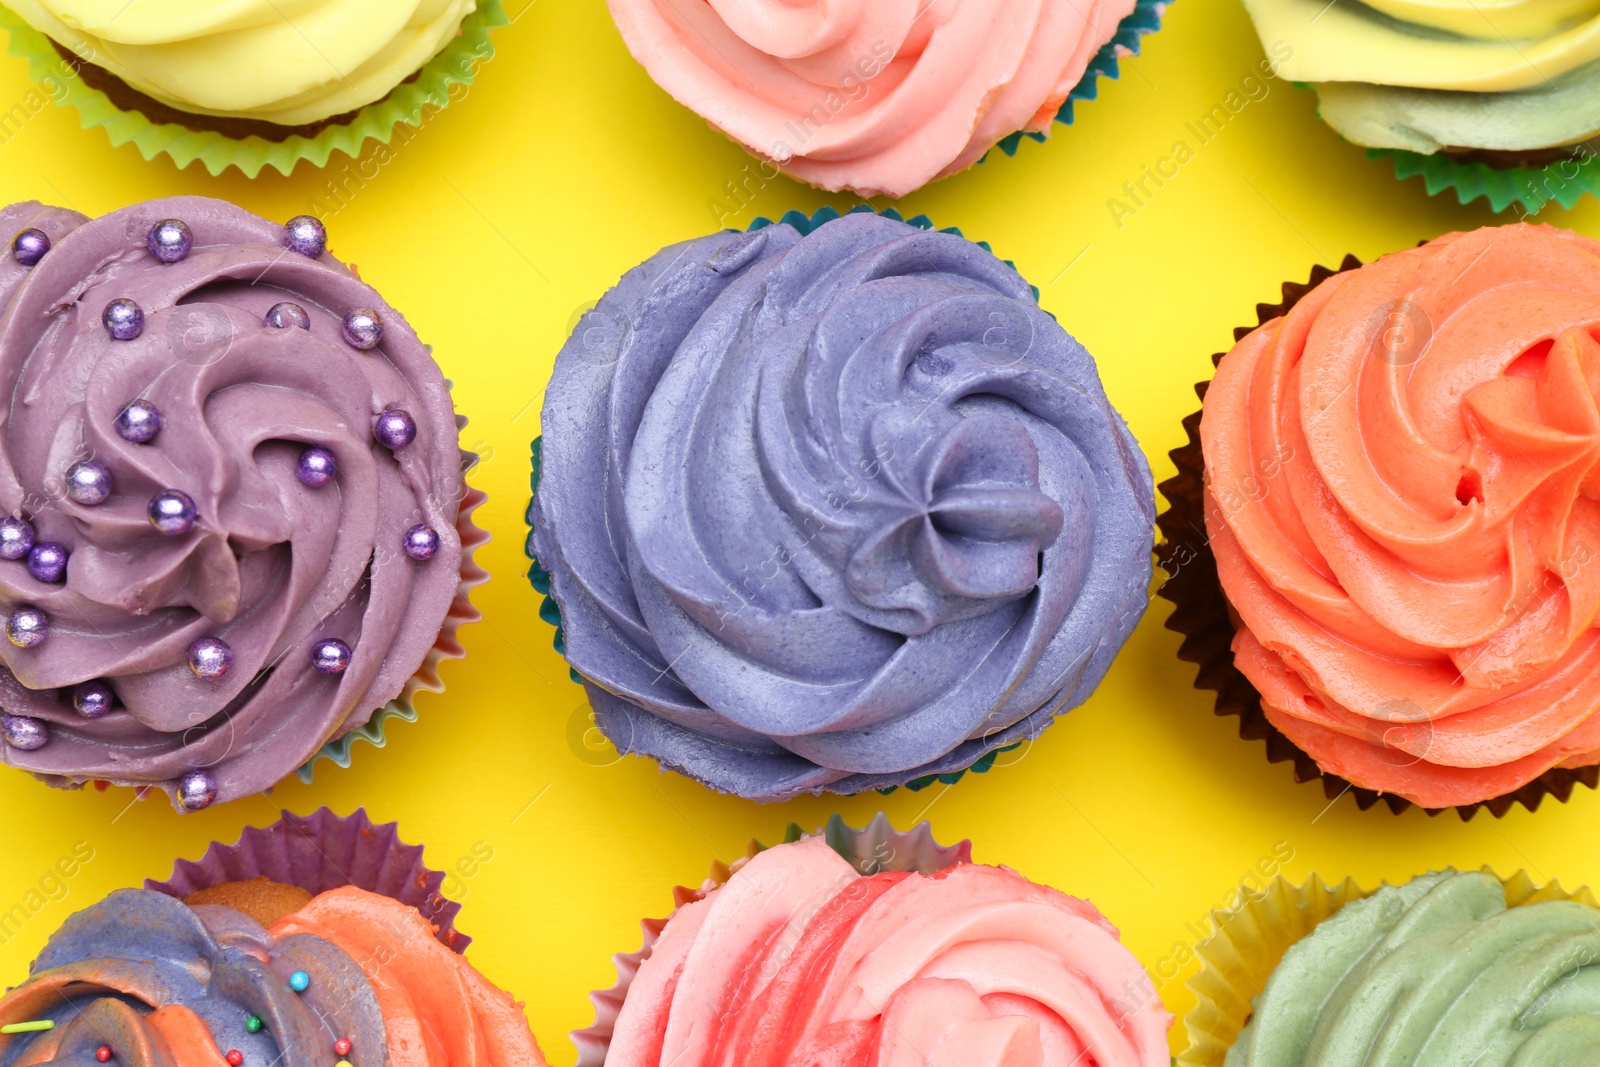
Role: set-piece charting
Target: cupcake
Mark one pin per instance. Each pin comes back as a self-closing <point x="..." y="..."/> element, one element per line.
<point x="1400" y="473"/>
<point x="874" y="947"/>
<point x="1456" y="91"/>
<point x="250" y="84"/>
<point x="880" y="99"/>
<point x="834" y="510"/>
<point x="255" y="970"/>
<point x="234" y="526"/>
<point x="1449" y="968"/>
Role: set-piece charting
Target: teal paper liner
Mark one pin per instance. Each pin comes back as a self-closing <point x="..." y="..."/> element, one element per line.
<point x="1145" y="18"/>
<point x="1531" y="189"/>
<point x="539" y="578"/>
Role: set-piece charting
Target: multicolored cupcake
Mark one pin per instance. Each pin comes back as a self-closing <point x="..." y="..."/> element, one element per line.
<point x="251" y="83"/>
<point x="852" y="948"/>
<point x="878" y="97"/>
<point x="259" y="968"/>
<point x="1448" y="968"/>
<point x="1498" y="101"/>
<point x="1400" y="472"/>
<point x="834" y="510"/>
<point x="235" y="528"/>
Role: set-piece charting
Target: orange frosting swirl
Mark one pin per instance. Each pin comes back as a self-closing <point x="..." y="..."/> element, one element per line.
<point x="1403" y="498"/>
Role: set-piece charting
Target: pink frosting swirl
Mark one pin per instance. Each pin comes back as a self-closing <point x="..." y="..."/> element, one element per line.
<point x="799" y="959"/>
<point x="876" y="96"/>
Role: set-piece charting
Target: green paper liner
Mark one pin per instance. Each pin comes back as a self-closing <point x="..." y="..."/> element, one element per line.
<point x="874" y="848"/>
<point x="1144" y="19"/>
<point x="1528" y="189"/>
<point x="1249" y="939"/>
<point x="406" y="104"/>
<point x="539" y="578"/>
<point x="1202" y="614"/>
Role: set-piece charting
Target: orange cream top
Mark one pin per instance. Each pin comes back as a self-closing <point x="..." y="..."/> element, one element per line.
<point x="1404" y="504"/>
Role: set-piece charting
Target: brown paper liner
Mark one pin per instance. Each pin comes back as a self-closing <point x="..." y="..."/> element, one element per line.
<point x="1202" y="614"/>
<point x="321" y="852"/>
<point x="1250" y="939"/>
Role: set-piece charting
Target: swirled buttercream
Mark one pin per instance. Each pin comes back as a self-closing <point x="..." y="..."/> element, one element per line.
<point x="798" y="959"/>
<point x="1434" y="973"/>
<point x="1425" y="75"/>
<point x="163" y="984"/>
<point x="290" y="62"/>
<point x="877" y="96"/>
<point x="1403" y="479"/>
<point x="835" y="511"/>
<point x="267" y="564"/>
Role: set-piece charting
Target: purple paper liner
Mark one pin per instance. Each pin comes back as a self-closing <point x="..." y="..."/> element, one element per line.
<point x="875" y="848"/>
<point x="324" y="851"/>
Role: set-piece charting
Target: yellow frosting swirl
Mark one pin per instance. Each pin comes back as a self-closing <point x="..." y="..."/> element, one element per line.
<point x="289" y="62"/>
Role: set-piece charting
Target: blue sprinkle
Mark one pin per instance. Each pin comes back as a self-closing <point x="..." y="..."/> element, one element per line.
<point x="299" y="981"/>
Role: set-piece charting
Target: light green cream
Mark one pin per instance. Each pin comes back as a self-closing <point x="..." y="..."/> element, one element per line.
<point x="1434" y="973"/>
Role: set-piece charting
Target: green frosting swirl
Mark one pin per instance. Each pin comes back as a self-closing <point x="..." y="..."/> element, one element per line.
<point x="1438" y="972"/>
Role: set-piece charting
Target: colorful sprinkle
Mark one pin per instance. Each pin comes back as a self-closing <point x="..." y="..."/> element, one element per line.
<point x="197" y="790"/>
<point x="103" y="1054"/>
<point x="253" y="1024"/>
<point x="234" y="1057"/>
<point x="123" y="319"/>
<point x="342" y="1047"/>
<point x="38" y="1026"/>
<point x="29" y="246"/>
<point x="299" y="981"/>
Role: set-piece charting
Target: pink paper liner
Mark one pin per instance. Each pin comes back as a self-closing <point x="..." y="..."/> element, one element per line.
<point x="324" y="851"/>
<point x="875" y="848"/>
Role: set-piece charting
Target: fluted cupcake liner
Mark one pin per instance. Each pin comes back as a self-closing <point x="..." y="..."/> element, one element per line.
<point x="1202" y="614"/>
<point x="321" y="852"/>
<point x="539" y="578"/>
<point x="1145" y="18"/>
<point x="406" y="105"/>
<point x="1527" y="189"/>
<point x="1248" y="941"/>
<point x="873" y="849"/>
<point x="339" y="750"/>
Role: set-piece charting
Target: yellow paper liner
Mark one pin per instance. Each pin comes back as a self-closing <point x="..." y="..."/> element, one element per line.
<point x="407" y="104"/>
<point x="1249" y="940"/>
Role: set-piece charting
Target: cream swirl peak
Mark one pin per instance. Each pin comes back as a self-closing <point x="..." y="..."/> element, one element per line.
<point x="799" y="958"/>
<point x="286" y="63"/>
<point x="835" y="511"/>
<point x="232" y="485"/>
<point x="877" y="96"/>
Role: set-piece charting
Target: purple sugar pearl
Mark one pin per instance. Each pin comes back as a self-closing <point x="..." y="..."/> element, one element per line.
<point x="27" y="627"/>
<point x="139" y="422"/>
<point x="123" y="319"/>
<point x="284" y="315"/>
<point x="170" y="240"/>
<point x="210" y="658"/>
<point x="421" y="542"/>
<point x="197" y="790"/>
<point x="16" y="537"/>
<point x="29" y="246"/>
<point x="172" y="511"/>
<point x="89" y="482"/>
<point x="363" y="329"/>
<point x="306" y="235"/>
<point x="395" y="429"/>
<point x="47" y="561"/>
<point x="24" y="733"/>
<point x="330" y="656"/>
<point x="316" y="467"/>
<point x="93" y="700"/>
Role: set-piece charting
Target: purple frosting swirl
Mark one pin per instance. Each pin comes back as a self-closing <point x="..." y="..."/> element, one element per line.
<point x="835" y="511"/>
<point x="270" y="566"/>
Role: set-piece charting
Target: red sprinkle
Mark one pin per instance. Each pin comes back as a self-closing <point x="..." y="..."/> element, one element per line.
<point x="342" y="1047"/>
<point x="103" y="1054"/>
<point x="234" y="1057"/>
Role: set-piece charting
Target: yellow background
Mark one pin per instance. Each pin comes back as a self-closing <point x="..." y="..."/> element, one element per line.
<point x="517" y="207"/>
